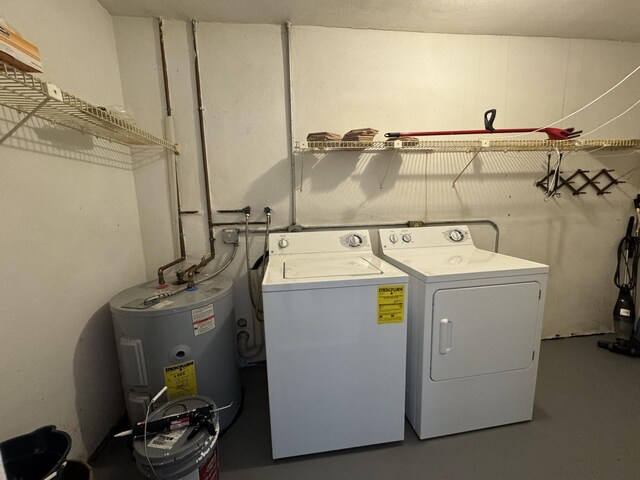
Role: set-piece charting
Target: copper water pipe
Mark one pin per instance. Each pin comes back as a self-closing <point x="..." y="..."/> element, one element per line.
<point x="167" y="94"/>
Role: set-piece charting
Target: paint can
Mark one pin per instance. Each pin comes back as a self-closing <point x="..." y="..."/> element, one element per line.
<point x="174" y="455"/>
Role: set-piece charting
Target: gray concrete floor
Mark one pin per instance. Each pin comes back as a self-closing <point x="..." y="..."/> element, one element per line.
<point x="586" y="425"/>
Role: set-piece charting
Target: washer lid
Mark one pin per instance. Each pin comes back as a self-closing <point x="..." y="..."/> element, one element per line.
<point x="306" y="271"/>
<point x="329" y="267"/>
<point x="446" y="264"/>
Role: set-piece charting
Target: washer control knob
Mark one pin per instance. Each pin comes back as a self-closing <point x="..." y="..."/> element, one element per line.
<point x="456" y="236"/>
<point x="393" y="238"/>
<point x="406" y="237"/>
<point x="283" y="243"/>
<point x="355" y="240"/>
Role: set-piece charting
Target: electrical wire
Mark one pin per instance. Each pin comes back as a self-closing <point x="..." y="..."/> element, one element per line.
<point x="580" y="109"/>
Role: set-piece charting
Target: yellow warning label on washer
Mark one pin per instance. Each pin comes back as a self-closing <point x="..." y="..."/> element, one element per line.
<point x="391" y="304"/>
<point x="180" y="380"/>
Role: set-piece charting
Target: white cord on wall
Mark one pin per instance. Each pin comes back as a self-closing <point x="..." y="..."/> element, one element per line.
<point x="580" y="109"/>
<point x="612" y="120"/>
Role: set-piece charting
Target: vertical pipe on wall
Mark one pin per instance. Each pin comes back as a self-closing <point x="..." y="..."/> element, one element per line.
<point x="169" y="131"/>
<point x="291" y="129"/>
<point x="174" y="195"/>
<point x="203" y="140"/>
<point x="165" y="72"/>
<point x="172" y="173"/>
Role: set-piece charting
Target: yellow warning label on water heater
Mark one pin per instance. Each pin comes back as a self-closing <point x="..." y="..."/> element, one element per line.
<point x="180" y="380"/>
<point x="391" y="304"/>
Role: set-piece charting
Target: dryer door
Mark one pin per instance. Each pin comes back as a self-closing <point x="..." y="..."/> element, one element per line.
<point x="483" y="330"/>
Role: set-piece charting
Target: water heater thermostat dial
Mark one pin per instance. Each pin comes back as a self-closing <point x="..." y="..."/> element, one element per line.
<point x="393" y="238"/>
<point x="456" y="236"/>
<point x="283" y="243"/>
<point x="355" y="240"/>
<point x="406" y="238"/>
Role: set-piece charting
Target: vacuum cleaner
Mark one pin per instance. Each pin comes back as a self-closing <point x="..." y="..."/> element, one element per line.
<point x="625" y="323"/>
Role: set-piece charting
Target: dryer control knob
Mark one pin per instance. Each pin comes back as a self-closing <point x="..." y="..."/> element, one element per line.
<point x="283" y="243"/>
<point x="406" y="238"/>
<point x="456" y="235"/>
<point x="393" y="238"/>
<point x="355" y="240"/>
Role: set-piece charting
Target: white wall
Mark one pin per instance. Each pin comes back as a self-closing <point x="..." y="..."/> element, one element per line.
<point x="70" y="240"/>
<point x="394" y="81"/>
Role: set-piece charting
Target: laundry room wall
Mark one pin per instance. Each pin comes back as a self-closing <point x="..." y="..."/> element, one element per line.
<point x="395" y="81"/>
<point x="70" y="237"/>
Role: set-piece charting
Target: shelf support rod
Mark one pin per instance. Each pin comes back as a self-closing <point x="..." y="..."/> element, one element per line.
<point x="453" y="185"/>
<point x="24" y="119"/>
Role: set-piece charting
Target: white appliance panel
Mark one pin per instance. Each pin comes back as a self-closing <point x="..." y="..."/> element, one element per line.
<point x="484" y="312"/>
<point x="319" y="242"/>
<point x="483" y="330"/>
<point x="424" y="237"/>
<point x="336" y="376"/>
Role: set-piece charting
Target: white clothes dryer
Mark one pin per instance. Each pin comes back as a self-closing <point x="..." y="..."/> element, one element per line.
<point x="335" y="337"/>
<point x="475" y="321"/>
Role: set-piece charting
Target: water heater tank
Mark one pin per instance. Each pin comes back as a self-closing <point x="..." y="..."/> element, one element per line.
<point x="186" y="342"/>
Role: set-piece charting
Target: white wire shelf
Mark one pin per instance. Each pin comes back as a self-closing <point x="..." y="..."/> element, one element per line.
<point x="467" y="145"/>
<point x="29" y="95"/>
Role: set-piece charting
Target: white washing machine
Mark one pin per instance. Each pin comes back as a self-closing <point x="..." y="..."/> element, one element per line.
<point x="335" y="335"/>
<point x="475" y="321"/>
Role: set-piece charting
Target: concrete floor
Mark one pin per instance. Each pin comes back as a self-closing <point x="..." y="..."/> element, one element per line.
<point x="586" y="425"/>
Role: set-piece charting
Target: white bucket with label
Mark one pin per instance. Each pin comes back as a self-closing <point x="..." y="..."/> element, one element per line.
<point x="172" y="455"/>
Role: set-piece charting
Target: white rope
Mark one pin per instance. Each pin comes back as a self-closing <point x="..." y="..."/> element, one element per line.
<point x="612" y="120"/>
<point x="580" y="109"/>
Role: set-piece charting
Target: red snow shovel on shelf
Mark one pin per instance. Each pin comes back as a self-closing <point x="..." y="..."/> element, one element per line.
<point x="489" y="117"/>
